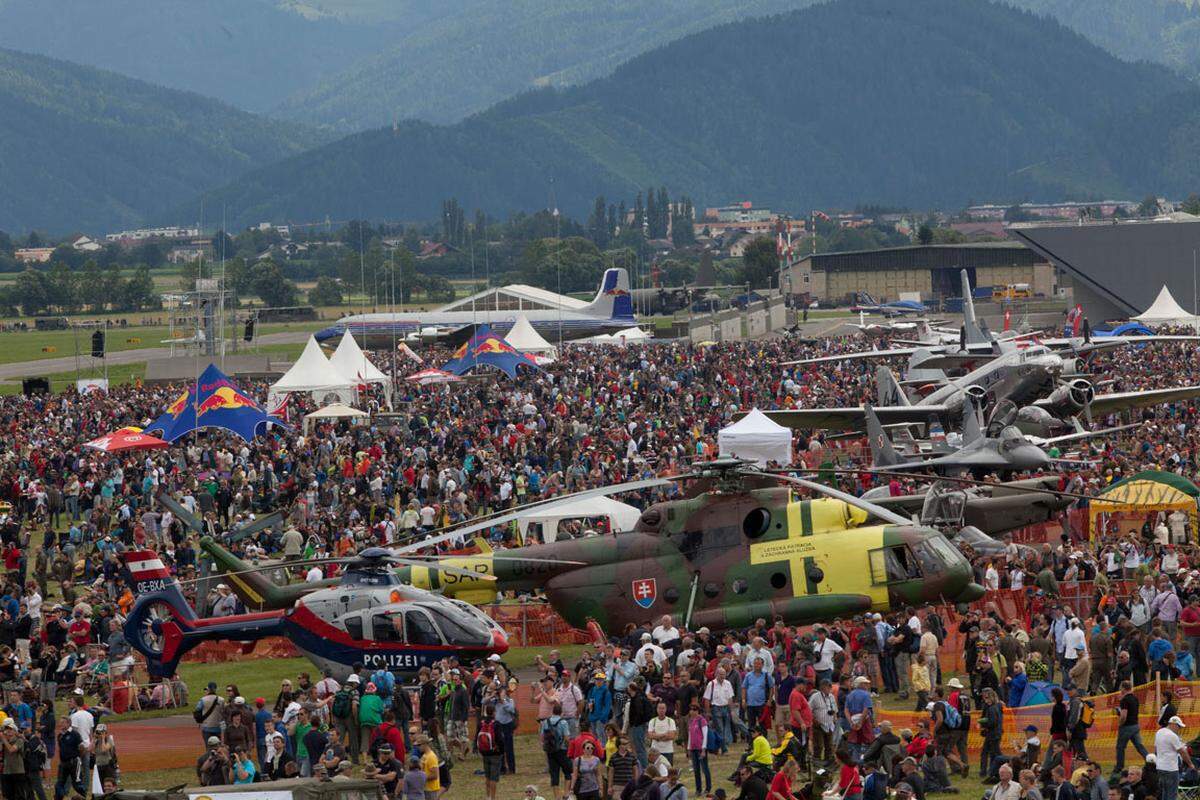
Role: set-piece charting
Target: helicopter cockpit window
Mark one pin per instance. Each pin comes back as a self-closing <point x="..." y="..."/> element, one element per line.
<point x="898" y="565"/>
<point x="946" y="552"/>
<point x="354" y="627"/>
<point x="459" y="627"/>
<point x="387" y="628"/>
<point x="419" y="627"/>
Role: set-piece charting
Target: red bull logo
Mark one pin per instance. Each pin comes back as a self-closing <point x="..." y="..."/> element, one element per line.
<point x="224" y="397"/>
<point x="461" y="351"/>
<point x="493" y="346"/>
<point x="177" y="408"/>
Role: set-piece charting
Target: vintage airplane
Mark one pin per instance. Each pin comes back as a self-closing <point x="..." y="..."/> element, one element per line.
<point x="369" y="617"/>
<point x="610" y="311"/>
<point x="742" y="548"/>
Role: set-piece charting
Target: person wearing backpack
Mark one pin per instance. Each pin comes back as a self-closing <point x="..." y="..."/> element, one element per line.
<point x="344" y="711"/>
<point x="960" y="698"/>
<point x="208" y="713"/>
<point x="1077" y="730"/>
<point x="487" y="742"/>
<point x="947" y="721"/>
<point x="555" y="736"/>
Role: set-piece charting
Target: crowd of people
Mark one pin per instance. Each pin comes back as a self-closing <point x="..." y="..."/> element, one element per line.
<point x="653" y="704"/>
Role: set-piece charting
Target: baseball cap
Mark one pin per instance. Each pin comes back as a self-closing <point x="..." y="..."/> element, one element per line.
<point x="260" y="702"/>
<point x="494" y="657"/>
<point x="353" y="679"/>
<point x="1177" y="721"/>
<point x="213" y="741"/>
<point x="239" y="701"/>
<point x="955" y="683"/>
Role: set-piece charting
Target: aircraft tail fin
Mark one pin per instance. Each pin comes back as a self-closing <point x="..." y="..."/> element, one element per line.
<point x="613" y="301"/>
<point x="148" y="575"/>
<point x="887" y="388"/>
<point x="973" y="333"/>
<point x="253" y="587"/>
<point x="918" y="374"/>
<point x="972" y="427"/>
<point x="883" y="454"/>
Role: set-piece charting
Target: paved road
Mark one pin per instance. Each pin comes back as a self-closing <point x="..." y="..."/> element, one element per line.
<point x="48" y="366"/>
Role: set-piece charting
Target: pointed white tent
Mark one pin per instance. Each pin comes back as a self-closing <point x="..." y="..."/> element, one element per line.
<point x="1165" y="311"/>
<point x="352" y="363"/>
<point x="312" y="372"/>
<point x="756" y="437"/>
<point x="527" y="340"/>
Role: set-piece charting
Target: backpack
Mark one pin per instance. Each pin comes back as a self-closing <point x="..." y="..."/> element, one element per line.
<point x="964" y="710"/>
<point x="199" y="714"/>
<point x="552" y="739"/>
<point x="1087" y="714"/>
<point x="714" y="741"/>
<point x="953" y="719"/>
<point x="485" y="740"/>
<point x="343" y="704"/>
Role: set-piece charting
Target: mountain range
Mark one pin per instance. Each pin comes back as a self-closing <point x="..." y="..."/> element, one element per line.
<point x="81" y="148"/>
<point x="925" y="103"/>
<point x="541" y="102"/>
<point x="355" y="64"/>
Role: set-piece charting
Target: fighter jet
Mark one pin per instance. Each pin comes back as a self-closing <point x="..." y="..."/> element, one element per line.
<point x="1007" y="452"/>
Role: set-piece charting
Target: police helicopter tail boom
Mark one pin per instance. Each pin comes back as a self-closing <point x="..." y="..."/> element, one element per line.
<point x="163" y="627"/>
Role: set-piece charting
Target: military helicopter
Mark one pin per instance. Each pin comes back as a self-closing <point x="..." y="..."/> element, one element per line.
<point x="739" y="548"/>
<point x="368" y="617"/>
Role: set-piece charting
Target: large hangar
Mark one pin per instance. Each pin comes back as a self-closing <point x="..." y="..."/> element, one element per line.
<point x="1116" y="269"/>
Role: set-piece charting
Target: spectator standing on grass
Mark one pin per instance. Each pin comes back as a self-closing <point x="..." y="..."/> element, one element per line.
<point x="1169" y="751"/>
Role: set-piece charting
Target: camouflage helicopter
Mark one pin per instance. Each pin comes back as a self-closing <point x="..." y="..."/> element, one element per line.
<point x="741" y="547"/>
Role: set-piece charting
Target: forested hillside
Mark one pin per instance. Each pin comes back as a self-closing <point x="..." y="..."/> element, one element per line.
<point x="249" y="53"/>
<point x="922" y="103"/>
<point x="85" y="149"/>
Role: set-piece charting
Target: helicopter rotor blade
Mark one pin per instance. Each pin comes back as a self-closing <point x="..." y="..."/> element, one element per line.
<point x="877" y="511"/>
<point x="932" y="478"/>
<point x="617" y="488"/>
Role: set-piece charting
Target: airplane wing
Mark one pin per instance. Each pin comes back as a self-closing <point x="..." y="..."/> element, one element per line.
<point x="896" y="351"/>
<point x="1075" y="437"/>
<point x="1120" y="401"/>
<point x="853" y="417"/>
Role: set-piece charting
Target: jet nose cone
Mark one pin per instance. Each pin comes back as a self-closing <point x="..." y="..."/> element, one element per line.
<point x="1030" y="458"/>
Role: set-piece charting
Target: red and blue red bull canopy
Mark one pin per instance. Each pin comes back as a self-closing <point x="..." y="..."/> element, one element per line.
<point x="214" y="401"/>
<point x="489" y="349"/>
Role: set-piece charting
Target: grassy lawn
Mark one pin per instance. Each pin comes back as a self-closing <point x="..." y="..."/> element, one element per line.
<point x="34" y="345"/>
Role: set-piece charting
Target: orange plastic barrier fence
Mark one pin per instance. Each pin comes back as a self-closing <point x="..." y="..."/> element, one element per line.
<point x="534" y="625"/>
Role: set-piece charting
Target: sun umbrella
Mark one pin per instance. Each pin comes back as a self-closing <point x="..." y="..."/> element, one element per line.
<point x="428" y="376"/>
<point x="126" y="440"/>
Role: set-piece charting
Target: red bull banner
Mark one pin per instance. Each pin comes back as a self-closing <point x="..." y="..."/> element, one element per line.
<point x="489" y="349"/>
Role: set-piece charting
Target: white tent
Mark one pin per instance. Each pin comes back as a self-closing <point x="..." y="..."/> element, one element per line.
<point x="621" y="516"/>
<point x="525" y="339"/>
<point x="312" y="372"/>
<point x="632" y="335"/>
<point x="1165" y="311"/>
<point x="352" y="362"/>
<point x="334" y="411"/>
<point x="756" y="437"/>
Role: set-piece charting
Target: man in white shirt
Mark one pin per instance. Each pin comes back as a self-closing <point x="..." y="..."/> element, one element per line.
<point x="718" y="694"/>
<point x="661" y="732"/>
<point x="1168" y="750"/>
<point x="824" y="651"/>
<point x="759" y="649"/>
<point x="649" y="651"/>
<point x="665" y="632"/>
<point x="314" y="574"/>
<point x="82" y="722"/>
